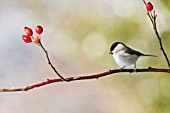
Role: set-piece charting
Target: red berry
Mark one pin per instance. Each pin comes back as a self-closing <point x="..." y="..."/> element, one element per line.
<point x="149" y="6"/>
<point x="39" y="30"/>
<point x="28" y="31"/>
<point x="26" y="38"/>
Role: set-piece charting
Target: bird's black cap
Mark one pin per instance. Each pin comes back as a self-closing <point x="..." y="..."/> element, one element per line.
<point x="127" y="50"/>
<point x="114" y="45"/>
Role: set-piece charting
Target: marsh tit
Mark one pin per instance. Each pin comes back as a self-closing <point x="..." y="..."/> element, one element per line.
<point x="125" y="56"/>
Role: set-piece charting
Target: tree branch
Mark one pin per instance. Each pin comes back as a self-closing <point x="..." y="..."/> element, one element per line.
<point x="86" y="77"/>
<point x="152" y="17"/>
<point x="49" y="62"/>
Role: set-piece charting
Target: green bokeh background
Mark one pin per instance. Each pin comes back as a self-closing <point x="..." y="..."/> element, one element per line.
<point x="78" y="35"/>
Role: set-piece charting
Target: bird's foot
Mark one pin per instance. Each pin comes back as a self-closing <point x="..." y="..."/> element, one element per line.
<point x="135" y="70"/>
<point x="121" y="69"/>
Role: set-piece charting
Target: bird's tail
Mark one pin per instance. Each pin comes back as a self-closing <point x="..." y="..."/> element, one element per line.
<point x="149" y="55"/>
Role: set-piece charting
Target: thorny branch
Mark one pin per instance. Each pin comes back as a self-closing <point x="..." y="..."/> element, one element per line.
<point x="85" y="77"/>
<point x="152" y="17"/>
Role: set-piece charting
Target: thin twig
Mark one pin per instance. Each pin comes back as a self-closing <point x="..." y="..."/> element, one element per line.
<point x="86" y="77"/>
<point x="99" y="75"/>
<point x="159" y="39"/>
<point x="152" y="17"/>
<point x="49" y="62"/>
<point x="144" y="2"/>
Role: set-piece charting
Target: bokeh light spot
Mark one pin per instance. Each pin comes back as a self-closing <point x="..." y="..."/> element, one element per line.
<point x="94" y="45"/>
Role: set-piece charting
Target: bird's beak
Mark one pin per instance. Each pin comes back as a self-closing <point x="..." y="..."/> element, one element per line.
<point x="110" y="52"/>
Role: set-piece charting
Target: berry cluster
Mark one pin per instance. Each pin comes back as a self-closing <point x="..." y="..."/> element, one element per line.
<point x="29" y="35"/>
<point x="149" y="6"/>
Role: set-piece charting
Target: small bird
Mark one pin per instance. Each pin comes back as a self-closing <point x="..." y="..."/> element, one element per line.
<point x="125" y="56"/>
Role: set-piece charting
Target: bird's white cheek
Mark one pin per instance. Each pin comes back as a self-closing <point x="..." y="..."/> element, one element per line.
<point x="118" y="48"/>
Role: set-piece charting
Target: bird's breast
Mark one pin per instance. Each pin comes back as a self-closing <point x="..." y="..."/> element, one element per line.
<point x="125" y="59"/>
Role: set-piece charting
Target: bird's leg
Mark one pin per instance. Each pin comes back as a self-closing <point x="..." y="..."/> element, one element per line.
<point x="135" y="68"/>
<point x="122" y="68"/>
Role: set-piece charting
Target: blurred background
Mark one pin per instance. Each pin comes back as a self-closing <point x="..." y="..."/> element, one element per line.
<point x="78" y="35"/>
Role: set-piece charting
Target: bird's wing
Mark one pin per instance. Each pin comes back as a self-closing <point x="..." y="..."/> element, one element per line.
<point x="131" y="51"/>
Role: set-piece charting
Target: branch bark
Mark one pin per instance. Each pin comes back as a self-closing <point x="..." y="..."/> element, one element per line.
<point x="152" y="17"/>
<point x="49" y="62"/>
<point x="86" y="77"/>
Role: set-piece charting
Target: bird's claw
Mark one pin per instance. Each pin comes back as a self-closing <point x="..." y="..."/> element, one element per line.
<point x="135" y="71"/>
<point x="121" y="69"/>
